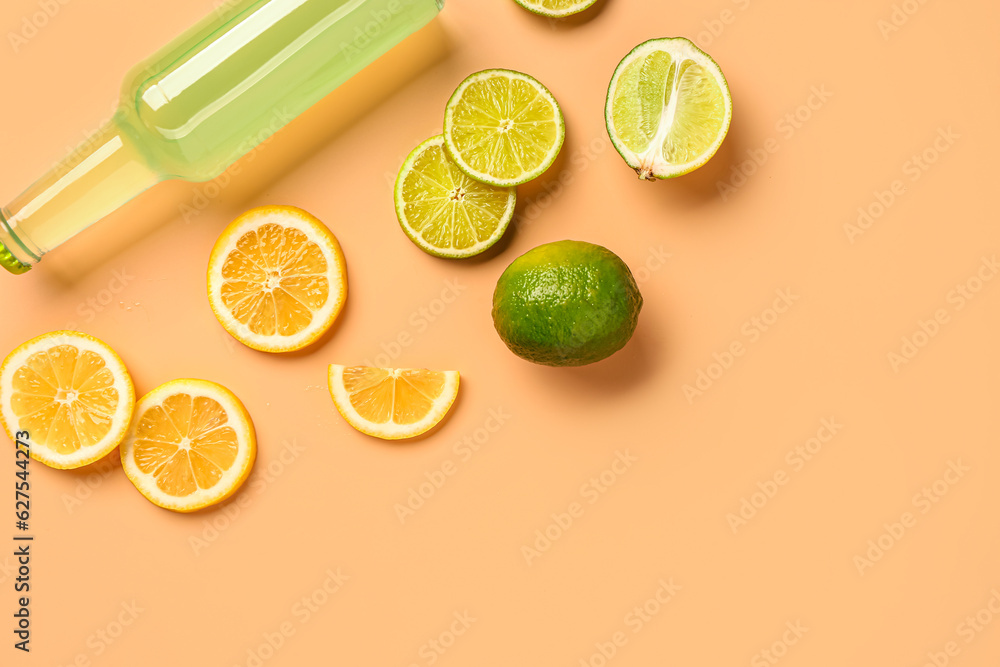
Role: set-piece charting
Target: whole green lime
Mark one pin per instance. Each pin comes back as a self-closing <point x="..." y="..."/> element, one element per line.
<point x="567" y="303"/>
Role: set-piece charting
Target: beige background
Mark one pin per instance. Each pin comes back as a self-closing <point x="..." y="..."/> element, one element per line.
<point x="211" y="586"/>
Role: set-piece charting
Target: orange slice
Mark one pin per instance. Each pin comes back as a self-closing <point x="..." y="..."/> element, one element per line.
<point x="72" y="395"/>
<point x="191" y="445"/>
<point x="392" y="403"/>
<point x="277" y="279"/>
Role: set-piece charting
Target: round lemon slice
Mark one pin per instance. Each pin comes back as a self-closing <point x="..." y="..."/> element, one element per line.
<point x="277" y="279"/>
<point x="668" y="108"/>
<point x="191" y="445"/>
<point x="392" y="403"/>
<point x="70" y="393"/>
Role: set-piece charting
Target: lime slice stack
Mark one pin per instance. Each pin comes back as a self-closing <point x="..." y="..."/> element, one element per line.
<point x="455" y="193"/>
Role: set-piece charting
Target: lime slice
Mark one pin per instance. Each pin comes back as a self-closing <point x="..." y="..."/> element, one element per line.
<point x="503" y="128"/>
<point x="556" y="8"/>
<point x="668" y="108"/>
<point x="445" y="212"/>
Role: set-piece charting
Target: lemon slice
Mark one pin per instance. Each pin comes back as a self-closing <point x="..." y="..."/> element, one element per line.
<point x="392" y="403"/>
<point x="191" y="445"/>
<point x="445" y="212"/>
<point x="503" y="128"/>
<point x="71" y="393"/>
<point x="277" y="279"/>
<point x="668" y="108"/>
<point x="556" y="8"/>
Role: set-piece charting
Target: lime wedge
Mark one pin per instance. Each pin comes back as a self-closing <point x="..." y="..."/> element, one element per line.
<point x="556" y="8"/>
<point x="668" y="108"/>
<point x="503" y="127"/>
<point x="445" y="212"/>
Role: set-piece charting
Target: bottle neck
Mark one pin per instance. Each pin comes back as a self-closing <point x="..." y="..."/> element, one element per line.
<point x="100" y="175"/>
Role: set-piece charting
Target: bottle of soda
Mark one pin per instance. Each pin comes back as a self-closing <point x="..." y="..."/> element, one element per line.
<point x="203" y="101"/>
